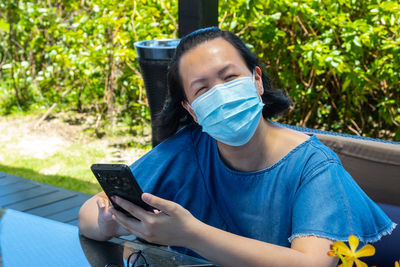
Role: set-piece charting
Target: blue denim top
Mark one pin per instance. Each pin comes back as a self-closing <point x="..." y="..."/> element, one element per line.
<point x="307" y="192"/>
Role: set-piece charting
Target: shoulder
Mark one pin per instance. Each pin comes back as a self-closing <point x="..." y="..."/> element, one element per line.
<point x="318" y="157"/>
<point x="161" y="170"/>
<point x="183" y="138"/>
<point x="181" y="145"/>
<point x="306" y="156"/>
<point x="302" y="147"/>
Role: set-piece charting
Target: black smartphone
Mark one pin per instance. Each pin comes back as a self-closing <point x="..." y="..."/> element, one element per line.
<point x="118" y="180"/>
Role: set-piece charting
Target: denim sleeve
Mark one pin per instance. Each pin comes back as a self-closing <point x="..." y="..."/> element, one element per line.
<point x="329" y="204"/>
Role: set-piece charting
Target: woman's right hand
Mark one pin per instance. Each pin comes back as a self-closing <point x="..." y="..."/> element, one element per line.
<point x="95" y="220"/>
<point x="107" y="225"/>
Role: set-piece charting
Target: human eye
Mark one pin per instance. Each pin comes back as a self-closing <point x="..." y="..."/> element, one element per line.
<point x="230" y="77"/>
<point x="201" y="90"/>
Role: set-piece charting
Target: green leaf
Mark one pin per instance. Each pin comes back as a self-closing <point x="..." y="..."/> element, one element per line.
<point x="4" y="26"/>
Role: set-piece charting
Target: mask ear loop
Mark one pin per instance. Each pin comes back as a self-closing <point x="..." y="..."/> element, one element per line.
<point x="190" y="106"/>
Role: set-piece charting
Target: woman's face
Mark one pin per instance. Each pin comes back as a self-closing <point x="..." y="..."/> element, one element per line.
<point x="211" y="63"/>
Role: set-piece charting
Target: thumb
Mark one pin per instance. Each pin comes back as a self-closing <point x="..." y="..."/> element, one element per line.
<point x="164" y="205"/>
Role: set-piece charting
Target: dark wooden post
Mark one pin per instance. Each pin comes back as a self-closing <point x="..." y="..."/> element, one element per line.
<point x="196" y="14"/>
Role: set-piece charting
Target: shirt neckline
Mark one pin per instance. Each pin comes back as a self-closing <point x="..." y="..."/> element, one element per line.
<point x="262" y="171"/>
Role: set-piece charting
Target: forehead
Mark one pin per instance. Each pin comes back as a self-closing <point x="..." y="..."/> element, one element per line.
<point x="206" y="59"/>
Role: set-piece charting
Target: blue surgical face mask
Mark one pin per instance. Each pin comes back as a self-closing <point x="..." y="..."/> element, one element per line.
<point x="230" y="112"/>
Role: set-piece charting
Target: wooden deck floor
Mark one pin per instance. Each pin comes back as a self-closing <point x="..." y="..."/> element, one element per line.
<point x="40" y="199"/>
<point x="44" y="200"/>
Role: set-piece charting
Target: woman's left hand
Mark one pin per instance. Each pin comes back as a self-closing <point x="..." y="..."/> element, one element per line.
<point x="170" y="225"/>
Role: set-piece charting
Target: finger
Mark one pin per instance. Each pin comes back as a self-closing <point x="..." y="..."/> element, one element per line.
<point x="104" y="205"/>
<point x="133" y="209"/>
<point x="105" y="209"/>
<point x="102" y="200"/>
<point x="131" y="225"/>
<point x="102" y="195"/>
<point x="164" y="205"/>
<point x="100" y="203"/>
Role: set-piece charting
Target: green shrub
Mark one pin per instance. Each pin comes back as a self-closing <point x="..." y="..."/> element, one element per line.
<point x="79" y="56"/>
<point x="338" y="60"/>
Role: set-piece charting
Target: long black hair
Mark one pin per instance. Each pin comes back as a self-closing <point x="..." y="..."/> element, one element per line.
<point x="173" y="116"/>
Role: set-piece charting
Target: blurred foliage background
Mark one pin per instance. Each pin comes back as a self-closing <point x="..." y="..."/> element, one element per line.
<point x="338" y="60"/>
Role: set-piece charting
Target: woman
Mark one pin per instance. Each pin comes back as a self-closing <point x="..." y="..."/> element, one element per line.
<point x="234" y="187"/>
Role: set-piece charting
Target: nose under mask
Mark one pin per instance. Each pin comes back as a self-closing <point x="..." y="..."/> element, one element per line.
<point x="230" y="112"/>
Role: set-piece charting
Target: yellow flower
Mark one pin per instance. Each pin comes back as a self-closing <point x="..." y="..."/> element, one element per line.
<point x="339" y="249"/>
<point x="397" y="263"/>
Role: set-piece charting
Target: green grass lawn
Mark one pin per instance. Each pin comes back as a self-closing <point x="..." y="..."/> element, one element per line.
<point x="67" y="166"/>
<point x="68" y="169"/>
